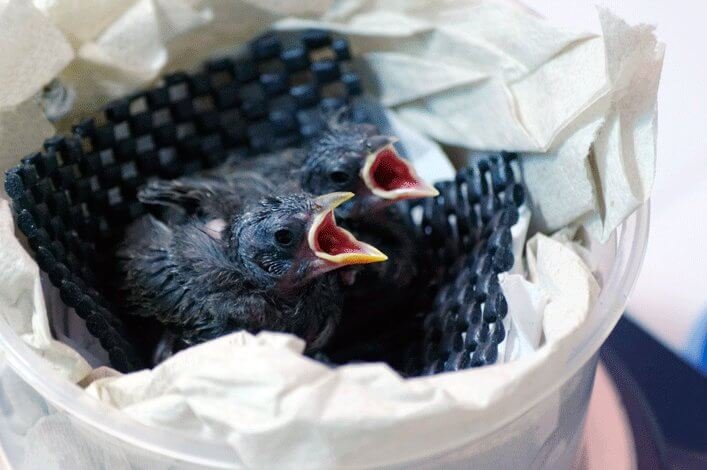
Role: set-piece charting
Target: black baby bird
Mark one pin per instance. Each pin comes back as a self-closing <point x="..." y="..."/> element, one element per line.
<point x="356" y="158"/>
<point x="269" y="268"/>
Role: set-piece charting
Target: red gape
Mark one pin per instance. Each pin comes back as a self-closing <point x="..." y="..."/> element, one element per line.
<point x="333" y="240"/>
<point x="333" y="245"/>
<point x="389" y="176"/>
<point x="390" y="172"/>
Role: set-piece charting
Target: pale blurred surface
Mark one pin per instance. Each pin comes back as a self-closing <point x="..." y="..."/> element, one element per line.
<point x="608" y="441"/>
<point x="670" y="298"/>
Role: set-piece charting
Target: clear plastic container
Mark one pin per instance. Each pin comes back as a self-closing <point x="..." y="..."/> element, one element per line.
<point x="49" y="423"/>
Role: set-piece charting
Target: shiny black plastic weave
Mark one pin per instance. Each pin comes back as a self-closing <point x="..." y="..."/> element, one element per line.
<point x="467" y="235"/>
<point x="74" y="198"/>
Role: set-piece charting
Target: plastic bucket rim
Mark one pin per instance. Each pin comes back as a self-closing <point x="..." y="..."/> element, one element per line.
<point x="71" y="399"/>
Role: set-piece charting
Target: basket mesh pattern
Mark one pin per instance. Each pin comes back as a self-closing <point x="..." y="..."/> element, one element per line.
<point x="466" y="232"/>
<point x="452" y="223"/>
<point x="73" y="198"/>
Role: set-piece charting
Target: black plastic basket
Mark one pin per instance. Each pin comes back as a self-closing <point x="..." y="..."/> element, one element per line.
<point x="467" y="233"/>
<point x="74" y="198"/>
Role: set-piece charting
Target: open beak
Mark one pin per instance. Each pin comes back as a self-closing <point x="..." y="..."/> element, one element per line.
<point x="334" y="245"/>
<point x="389" y="176"/>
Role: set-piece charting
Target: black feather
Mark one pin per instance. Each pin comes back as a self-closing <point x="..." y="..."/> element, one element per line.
<point x="202" y="286"/>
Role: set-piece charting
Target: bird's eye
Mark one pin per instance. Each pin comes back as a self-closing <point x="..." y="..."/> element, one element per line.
<point x="339" y="177"/>
<point x="284" y="237"/>
<point x="369" y="145"/>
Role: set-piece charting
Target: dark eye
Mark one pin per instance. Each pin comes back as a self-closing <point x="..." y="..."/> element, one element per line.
<point x="339" y="177"/>
<point x="284" y="237"/>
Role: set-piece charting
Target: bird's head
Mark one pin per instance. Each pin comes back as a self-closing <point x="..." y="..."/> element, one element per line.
<point x="356" y="158"/>
<point x="290" y="240"/>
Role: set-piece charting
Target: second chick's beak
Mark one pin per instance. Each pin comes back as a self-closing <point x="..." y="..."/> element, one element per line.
<point x="334" y="246"/>
<point x="389" y="176"/>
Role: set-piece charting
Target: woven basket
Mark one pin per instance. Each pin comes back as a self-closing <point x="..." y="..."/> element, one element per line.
<point x="73" y="199"/>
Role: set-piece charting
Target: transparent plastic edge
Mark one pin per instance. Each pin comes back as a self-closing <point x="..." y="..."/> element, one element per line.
<point x="612" y="301"/>
<point x="71" y="399"/>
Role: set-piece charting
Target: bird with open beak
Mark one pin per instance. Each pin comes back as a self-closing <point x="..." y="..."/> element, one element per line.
<point x="268" y="268"/>
<point x="345" y="157"/>
<point x="356" y="158"/>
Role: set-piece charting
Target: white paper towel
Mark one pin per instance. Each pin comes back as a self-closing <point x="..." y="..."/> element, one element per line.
<point x="620" y="168"/>
<point x="33" y="51"/>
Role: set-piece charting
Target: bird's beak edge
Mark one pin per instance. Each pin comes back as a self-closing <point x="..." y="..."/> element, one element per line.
<point x="389" y="176"/>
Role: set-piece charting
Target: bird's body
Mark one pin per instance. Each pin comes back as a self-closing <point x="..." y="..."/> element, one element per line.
<point x="187" y="280"/>
<point x="382" y="307"/>
<point x="380" y="284"/>
<point x="203" y="282"/>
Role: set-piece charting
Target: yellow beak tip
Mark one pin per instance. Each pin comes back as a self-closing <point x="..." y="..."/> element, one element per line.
<point x="379" y="257"/>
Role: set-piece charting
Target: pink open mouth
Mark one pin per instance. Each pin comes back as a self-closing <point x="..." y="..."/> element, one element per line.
<point x="389" y="176"/>
<point x="333" y="240"/>
<point x="338" y="246"/>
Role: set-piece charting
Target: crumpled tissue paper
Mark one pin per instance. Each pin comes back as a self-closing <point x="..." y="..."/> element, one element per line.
<point x="257" y="390"/>
<point x="477" y="74"/>
<point x="33" y="51"/>
<point x="482" y="75"/>
<point x="22" y="303"/>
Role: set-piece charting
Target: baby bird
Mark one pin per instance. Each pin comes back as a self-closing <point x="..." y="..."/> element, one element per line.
<point x="345" y="157"/>
<point x="355" y="157"/>
<point x="268" y="268"/>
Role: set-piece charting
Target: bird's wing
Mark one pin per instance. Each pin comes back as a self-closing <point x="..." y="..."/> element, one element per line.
<point x="277" y="169"/>
<point x="146" y="233"/>
<point x="173" y="273"/>
<point x="145" y="264"/>
<point x="210" y="196"/>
